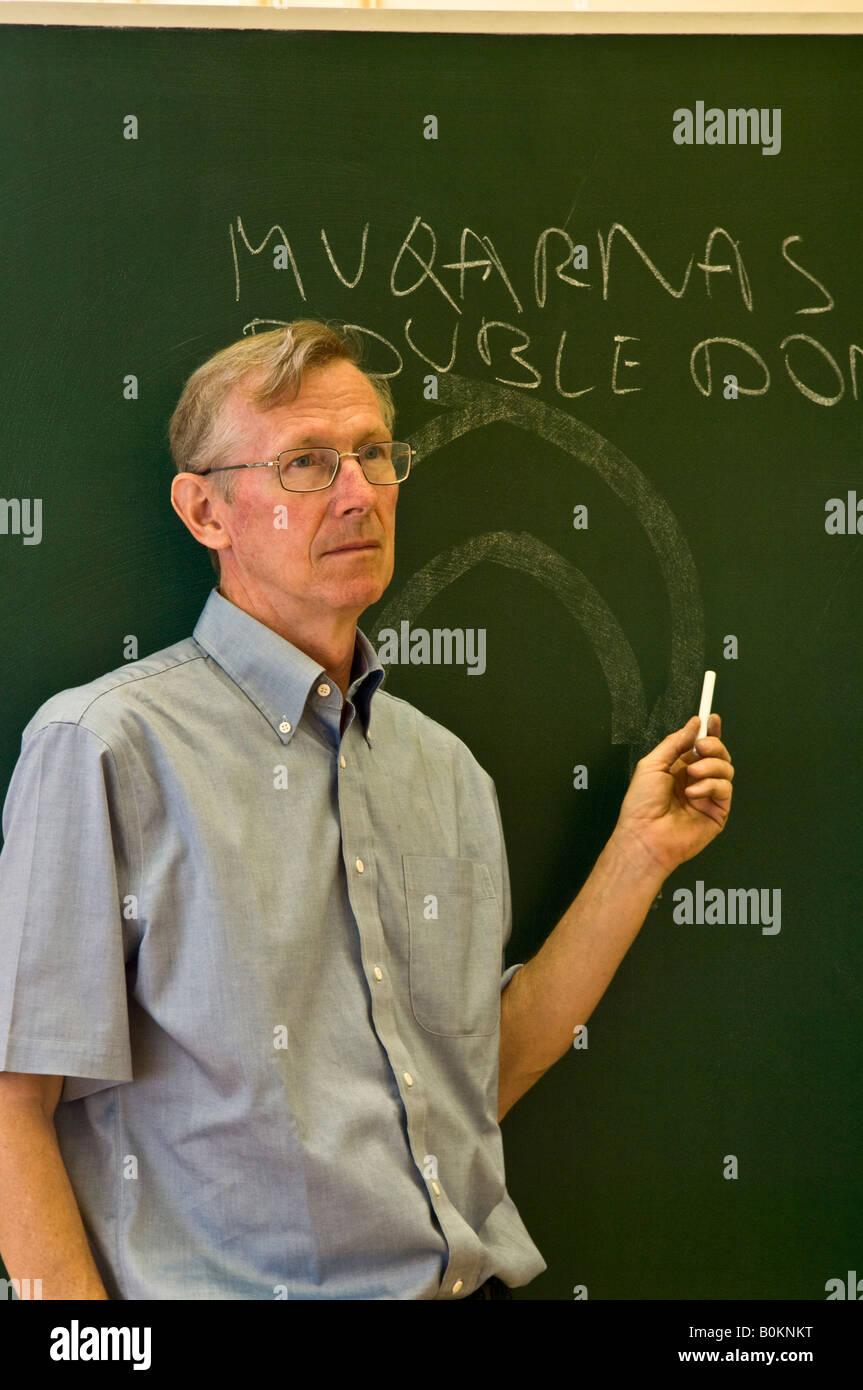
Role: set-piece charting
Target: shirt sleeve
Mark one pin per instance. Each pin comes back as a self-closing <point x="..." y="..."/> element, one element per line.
<point x="507" y="973"/>
<point x="507" y="976"/>
<point x="63" y="937"/>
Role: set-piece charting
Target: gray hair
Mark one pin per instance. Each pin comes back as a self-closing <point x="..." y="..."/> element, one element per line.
<point x="274" y="364"/>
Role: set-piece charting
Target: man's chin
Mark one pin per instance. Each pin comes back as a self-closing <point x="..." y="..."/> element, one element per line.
<point x="359" y="595"/>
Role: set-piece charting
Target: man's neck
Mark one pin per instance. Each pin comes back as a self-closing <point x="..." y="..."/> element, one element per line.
<point x="331" y="642"/>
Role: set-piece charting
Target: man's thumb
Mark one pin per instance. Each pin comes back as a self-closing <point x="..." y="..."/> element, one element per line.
<point x="675" y="745"/>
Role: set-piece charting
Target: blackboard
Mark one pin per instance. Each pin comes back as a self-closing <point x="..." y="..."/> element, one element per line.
<point x="648" y="360"/>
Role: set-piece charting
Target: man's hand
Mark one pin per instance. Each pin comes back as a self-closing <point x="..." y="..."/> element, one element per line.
<point x="678" y="801"/>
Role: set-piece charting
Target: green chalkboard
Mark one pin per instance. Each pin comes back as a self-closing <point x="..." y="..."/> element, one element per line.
<point x="628" y="365"/>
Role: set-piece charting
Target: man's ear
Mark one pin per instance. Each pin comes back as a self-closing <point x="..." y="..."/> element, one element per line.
<point x="202" y="513"/>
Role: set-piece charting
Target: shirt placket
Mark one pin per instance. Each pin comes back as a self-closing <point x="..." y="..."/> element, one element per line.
<point x="359" y="853"/>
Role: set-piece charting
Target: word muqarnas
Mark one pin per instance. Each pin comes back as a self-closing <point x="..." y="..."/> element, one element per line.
<point x="469" y="286"/>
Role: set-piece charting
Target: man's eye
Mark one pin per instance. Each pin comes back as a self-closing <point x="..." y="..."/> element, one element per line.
<point x="374" y="451"/>
<point x="308" y="461"/>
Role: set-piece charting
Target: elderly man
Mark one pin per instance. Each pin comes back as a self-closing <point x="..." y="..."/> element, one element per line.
<point x="254" y="1035"/>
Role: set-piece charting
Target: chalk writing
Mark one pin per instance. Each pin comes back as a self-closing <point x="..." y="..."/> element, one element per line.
<point x="496" y="305"/>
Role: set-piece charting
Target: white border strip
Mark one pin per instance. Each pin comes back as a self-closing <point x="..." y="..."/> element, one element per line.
<point x="132" y="16"/>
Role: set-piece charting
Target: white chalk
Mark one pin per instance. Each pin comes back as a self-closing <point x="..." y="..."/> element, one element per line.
<point x="706" y="702"/>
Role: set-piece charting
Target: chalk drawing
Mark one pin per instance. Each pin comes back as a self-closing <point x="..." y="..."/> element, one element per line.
<point x="469" y="406"/>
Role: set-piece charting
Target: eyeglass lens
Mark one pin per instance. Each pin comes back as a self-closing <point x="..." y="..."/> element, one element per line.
<point x="306" y="470"/>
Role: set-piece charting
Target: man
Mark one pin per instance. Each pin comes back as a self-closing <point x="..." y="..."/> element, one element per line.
<point x="255" y="908"/>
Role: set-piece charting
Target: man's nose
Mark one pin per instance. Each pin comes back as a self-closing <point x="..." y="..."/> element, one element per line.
<point x="351" y="487"/>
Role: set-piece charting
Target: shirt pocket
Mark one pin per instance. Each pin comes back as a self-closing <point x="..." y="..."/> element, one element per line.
<point x="455" y="945"/>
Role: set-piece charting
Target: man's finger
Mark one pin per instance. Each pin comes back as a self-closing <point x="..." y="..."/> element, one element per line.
<point x="716" y="788"/>
<point x="674" y="746"/>
<point x="711" y="747"/>
<point x="712" y="767"/>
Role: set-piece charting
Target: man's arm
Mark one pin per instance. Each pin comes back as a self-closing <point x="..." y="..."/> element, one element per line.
<point x="41" y="1232"/>
<point x="676" y="804"/>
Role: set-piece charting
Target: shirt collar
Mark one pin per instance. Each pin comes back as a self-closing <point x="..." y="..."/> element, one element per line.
<point x="277" y="677"/>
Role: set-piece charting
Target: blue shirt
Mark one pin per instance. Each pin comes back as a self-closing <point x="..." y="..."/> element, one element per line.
<point x="266" y="957"/>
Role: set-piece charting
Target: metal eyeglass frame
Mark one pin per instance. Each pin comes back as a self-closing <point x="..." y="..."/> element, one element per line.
<point x="274" y="463"/>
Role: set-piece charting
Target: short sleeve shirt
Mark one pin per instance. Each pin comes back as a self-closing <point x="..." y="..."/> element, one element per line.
<point x="266" y="957"/>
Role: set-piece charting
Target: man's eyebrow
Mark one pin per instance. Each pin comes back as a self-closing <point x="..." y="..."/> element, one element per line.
<point x="318" y="441"/>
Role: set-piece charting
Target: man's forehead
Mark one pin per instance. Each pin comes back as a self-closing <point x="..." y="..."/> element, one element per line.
<point x="336" y="394"/>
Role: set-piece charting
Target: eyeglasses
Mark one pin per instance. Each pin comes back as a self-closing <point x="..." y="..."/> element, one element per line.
<point x="312" y="470"/>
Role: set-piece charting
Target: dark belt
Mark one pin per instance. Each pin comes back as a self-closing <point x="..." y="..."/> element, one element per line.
<point x="492" y="1288"/>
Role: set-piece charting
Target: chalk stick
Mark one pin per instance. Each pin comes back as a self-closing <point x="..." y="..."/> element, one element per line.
<point x="706" y="702"/>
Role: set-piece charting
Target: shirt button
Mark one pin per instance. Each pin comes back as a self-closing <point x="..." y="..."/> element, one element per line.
<point x="435" y="1189"/>
<point x="342" y="762"/>
<point x="409" y="1081"/>
<point x="361" y="868"/>
<point x="323" y="689"/>
<point x="284" y="727"/>
<point x="458" y="1286"/>
<point x="379" y="974"/>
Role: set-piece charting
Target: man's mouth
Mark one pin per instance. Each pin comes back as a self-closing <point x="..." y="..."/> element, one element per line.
<point x="354" y="545"/>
